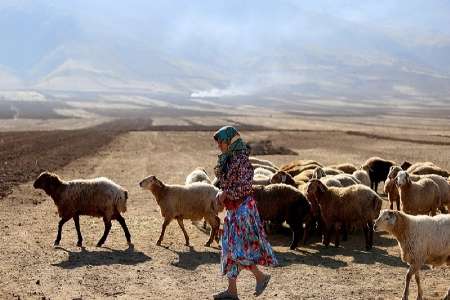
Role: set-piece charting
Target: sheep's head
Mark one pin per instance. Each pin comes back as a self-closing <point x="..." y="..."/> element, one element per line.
<point x="314" y="189"/>
<point x="279" y="177"/>
<point x="366" y="168"/>
<point x="393" y="171"/>
<point x="47" y="181"/>
<point x="150" y="183"/>
<point x="386" y="221"/>
<point x="405" y="165"/>
<point x="318" y="173"/>
<point x="402" y="178"/>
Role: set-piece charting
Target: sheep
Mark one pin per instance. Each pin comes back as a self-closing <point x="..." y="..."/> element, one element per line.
<point x="346" y="168"/>
<point x="393" y="195"/>
<point x="343" y="179"/>
<point x="417" y="165"/>
<point x="280" y="202"/>
<point x="194" y="201"/>
<point x="421" y="239"/>
<point x="261" y="180"/>
<point x="300" y="162"/>
<point x="305" y="175"/>
<point x="255" y="160"/>
<point x="263" y="172"/>
<point x="430" y="170"/>
<point x="353" y="205"/>
<point x="98" y="197"/>
<point x="198" y="175"/>
<point x="362" y="176"/>
<point x="378" y="169"/>
<point x="421" y="197"/>
<point x="257" y="166"/>
<point x="296" y="167"/>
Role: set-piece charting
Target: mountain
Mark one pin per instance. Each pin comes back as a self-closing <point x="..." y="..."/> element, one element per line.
<point x="324" y="49"/>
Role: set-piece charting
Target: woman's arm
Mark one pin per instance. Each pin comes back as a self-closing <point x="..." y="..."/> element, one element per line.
<point x="239" y="178"/>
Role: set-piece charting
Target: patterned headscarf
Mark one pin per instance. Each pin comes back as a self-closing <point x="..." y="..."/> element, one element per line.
<point x="230" y="135"/>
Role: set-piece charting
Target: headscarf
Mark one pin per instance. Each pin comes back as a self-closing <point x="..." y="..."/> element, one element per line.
<point x="230" y="135"/>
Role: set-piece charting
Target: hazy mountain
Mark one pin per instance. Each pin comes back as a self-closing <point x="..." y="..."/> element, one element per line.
<point x="292" y="49"/>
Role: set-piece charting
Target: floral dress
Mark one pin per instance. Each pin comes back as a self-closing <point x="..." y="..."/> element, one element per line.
<point x="244" y="241"/>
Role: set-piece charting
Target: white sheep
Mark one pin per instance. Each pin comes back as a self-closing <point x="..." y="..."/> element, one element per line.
<point x="261" y="180"/>
<point x="422" y="240"/>
<point x="362" y="176"/>
<point x="344" y="179"/>
<point x="98" y="197"/>
<point x="259" y="161"/>
<point x="198" y="175"/>
<point x="263" y="172"/>
<point x="194" y="201"/>
<point x="421" y="197"/>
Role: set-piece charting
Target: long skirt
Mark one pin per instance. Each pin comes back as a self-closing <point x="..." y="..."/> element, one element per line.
<point x="244" y="242"/>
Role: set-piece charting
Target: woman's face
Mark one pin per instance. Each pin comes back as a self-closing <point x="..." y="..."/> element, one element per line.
<point x="223" y="146"/>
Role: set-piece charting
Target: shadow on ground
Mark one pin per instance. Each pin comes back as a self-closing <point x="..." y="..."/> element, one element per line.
<point x="103" y="257"/>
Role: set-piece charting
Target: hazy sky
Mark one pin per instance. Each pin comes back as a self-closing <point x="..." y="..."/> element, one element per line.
<point x="218" y="39"/>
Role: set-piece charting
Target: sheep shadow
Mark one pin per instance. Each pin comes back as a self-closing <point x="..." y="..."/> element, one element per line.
<point x="307" y="258"/>
<point x="102" y="258"/>
<point x="192" y="259"/>
<point x="354" y="247"/>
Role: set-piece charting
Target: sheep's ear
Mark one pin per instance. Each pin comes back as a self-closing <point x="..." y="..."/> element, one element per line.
<point x="322" y="187"/>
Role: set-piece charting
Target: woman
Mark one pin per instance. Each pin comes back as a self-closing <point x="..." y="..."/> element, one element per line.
<point x="244" y="243"/>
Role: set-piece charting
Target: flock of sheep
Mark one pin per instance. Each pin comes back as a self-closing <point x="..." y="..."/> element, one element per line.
<point x="306" y="195"/>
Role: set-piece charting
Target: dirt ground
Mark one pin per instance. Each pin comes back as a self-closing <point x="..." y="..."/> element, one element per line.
<point x="31" y="268"/>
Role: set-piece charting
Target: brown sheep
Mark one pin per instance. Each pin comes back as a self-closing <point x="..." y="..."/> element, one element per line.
<point x="378" y="169"/>
<point x="355" y="205"/>
<point x="390" y="188"/>
<point x="416" y="165"/>
<point x="280" y="202"/>
<point x="99" y="197"/>
<point x="423" y="170"/>
<point x="296" y="167"/>
<point x="346" y="168"/>
<point x="421" y="197"/>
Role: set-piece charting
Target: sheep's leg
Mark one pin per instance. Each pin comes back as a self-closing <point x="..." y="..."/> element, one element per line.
<point x="366" y="236"/>
<point x="215" y="223"/>
<point x="295" y="237"/>
<point x="398" y="204"/>
<point x="76" y="219"/>
<point x="344" y="232"/>
<point x="105" y="234"/>
<point x="337" y="232"/>
<point x="392" y="204"/>
<point x="411" y="271"/>
<point x="186" y="237"/>
<point x="216" y="235"/>
<point x="60" y="226"/>
<point x="419" y="286"/>
<point x="163" y="230"/>
<point x="369" y="241"/>
<point x="326" y="235"/>
<point x="122" y="223"/>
